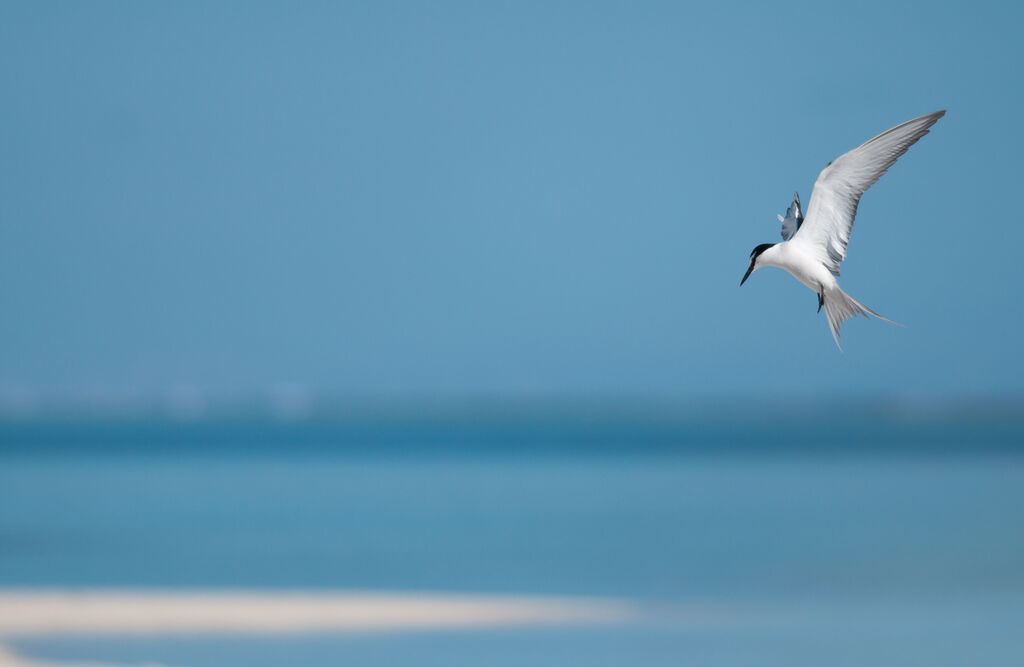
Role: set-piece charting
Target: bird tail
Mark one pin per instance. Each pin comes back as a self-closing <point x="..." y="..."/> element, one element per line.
<point x="840" y="306"/>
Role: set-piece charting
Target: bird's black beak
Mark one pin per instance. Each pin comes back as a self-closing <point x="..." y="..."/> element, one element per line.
<point x="747" y="274"/>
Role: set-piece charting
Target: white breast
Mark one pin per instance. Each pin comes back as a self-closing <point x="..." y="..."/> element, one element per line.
<point x="803" y="266"/>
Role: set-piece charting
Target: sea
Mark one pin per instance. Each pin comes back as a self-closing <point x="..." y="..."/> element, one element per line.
<point x="836" y="534"/>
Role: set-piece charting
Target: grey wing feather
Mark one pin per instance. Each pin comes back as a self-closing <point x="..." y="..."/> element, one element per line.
<point x="794" y="218"/>
<point x="839" y="187"/>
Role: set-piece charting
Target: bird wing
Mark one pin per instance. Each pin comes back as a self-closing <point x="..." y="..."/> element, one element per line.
<point x="842" y="182"/>
<point x="794" y="218"/>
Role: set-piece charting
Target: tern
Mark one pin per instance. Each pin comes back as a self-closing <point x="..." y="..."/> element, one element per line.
<point x="813" y="247"/>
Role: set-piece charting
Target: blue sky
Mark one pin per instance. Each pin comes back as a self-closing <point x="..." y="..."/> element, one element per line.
<point x="499" y="199"/>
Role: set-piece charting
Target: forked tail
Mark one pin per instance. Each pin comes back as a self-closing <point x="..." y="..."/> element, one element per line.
<point x="840" y="306"/>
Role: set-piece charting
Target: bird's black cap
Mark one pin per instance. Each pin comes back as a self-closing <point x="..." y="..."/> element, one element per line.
<point x="754" y="254"/>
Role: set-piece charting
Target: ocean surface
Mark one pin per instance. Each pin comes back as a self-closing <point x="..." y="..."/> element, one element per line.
<point x="843" y="539"/>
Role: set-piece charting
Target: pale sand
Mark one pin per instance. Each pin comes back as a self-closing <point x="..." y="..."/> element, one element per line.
<point x="65" y="613"/>
<point x="9" y="658"/>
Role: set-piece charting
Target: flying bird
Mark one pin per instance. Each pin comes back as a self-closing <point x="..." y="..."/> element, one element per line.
<point x="813" y="246"/>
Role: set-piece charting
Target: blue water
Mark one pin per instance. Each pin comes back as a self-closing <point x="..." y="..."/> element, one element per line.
<point x="807" y="552"/>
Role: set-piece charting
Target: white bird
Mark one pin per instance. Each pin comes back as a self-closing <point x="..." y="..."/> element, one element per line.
<point x="813" y="247"/>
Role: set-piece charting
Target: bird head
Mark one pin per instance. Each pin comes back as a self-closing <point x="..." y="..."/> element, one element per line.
<point x="755" y="254"/>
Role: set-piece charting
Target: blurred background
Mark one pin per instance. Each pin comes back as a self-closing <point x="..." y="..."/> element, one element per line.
<point x="444" y="298"/>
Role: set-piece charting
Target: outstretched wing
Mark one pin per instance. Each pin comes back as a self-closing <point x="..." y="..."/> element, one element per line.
<point x="841" y="183"/>
<point x="794" y="218"/>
